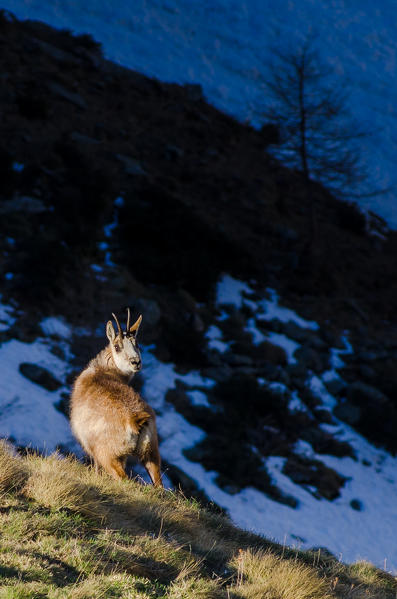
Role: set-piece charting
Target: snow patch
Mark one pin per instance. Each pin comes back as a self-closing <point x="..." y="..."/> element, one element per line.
<point x="271" y="310"/>
<point x="27" y="411"/>
<point x="229" y="291"/>
<point x="56" y="325"/>
<point x="6" y="318"/>
<point x="214" y="336"/>
<point x="198" y="398"/>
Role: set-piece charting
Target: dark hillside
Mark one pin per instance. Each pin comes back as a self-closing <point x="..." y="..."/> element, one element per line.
<point x="117" y="189"/>
<point x="194" y="180"/>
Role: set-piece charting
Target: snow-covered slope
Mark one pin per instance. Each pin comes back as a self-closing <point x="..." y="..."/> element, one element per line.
<point x="359" y="524"/>
<point x="224" y="45"/>
<point x="27" y="410"/>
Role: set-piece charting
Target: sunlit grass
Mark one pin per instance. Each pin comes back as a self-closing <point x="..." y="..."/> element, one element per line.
<point x="68" y="532"/>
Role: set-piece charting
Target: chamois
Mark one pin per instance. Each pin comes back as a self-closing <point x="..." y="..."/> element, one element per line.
<point x="109" y="419"/>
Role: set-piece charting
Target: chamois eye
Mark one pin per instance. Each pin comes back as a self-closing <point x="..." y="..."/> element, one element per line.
<point x="117" y="348"/>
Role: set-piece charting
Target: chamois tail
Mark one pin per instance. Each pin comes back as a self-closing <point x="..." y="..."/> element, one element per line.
<point x="137" y="420"/>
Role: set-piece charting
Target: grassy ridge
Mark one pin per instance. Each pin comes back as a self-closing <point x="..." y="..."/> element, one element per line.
<point x="67" y="532"/>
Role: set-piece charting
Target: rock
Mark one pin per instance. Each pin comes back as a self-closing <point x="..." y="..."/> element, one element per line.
<point x="197" y="453"/>
<point x="332" y="340"/>
<point x="309" y="398"/>
<point x="348" y="413"/>
<point x="336" y="387"/>
<point x="238" y="360"/>
<point x="317" y="343"/>
<point x="246" y="370"/>
<point x="231" y="489"/>
<point x="297" y="371"/>
<point x="269" y="371"/>
<point x="63" y="405"/>
<point x="324" y="443"/>
<point x="39" y="375"/>
<point x="366" y="371"/>
<point x="311" y="359"/>
<point x="73" y="97"/>
<point x="324" y="416"/>
<point x="214" y="358"/>
<point x="313" y="473"/>
<point x="294" y="331"/>
<point x="178" y="398"/>
<point x="197" y="323"/>
<point x="357" y="505"/>
<point x="284" y="377"/>
<point x="272" y="353"/>
<point x="362" y="394"/>
<point x="23" y="204"/>
<point x="368" y="356"/>
<point x="270" y="325"/>
<point x="131" y="166"/>
<point x="218" y="373"/>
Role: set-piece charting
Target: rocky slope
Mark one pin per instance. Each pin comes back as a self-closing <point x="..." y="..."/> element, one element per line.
<point x="121" y="190"/>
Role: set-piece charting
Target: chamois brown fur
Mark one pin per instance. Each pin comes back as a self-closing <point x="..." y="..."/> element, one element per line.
<point x="108" y="417"/>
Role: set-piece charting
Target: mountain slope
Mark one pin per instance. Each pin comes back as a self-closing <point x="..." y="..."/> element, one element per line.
<point x="68" y="532"/>
<point x="121" y="190"/>
<point x="226" y="47"/>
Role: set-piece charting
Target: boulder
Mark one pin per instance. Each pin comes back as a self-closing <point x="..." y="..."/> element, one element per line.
<point x="362" y="394"/>
<point x="238" y="360"/>
<point x="367" y="372"/>
<point x="312" y="359"/>
<point x="39" y="375"/>
<point x="348" y="412"/>
<point x="218" y="373"/>
<point x="336" y="387"/>
<point x="272" y="353"/>
<point x="294" y="331"/>
<point x="357" y="505"/>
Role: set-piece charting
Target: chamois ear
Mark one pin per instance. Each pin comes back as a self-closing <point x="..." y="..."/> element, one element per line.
<point x="135" y="327"/>
<point x="111" y="335"/>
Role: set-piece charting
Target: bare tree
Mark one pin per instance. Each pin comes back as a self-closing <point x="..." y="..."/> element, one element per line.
<point x="318" y="135"/>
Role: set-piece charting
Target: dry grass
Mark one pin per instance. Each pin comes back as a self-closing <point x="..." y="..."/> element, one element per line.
<point x="54" y="483"/>
<point x="66" y="531"/>
<point x="13" y="470"/>
<point x="264" y="574"/>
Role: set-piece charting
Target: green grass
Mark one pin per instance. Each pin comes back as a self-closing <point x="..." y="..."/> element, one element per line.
<point x="67" y="532"/>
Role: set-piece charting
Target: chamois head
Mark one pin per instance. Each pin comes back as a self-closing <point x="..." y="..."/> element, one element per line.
<point x="124" y="347"/>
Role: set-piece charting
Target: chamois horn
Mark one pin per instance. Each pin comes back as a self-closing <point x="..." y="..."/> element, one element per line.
<point x="118" y="326"/>
<point x="128" y="320"/>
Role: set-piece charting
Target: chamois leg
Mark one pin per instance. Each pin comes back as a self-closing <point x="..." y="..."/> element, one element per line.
<point x="93" y="459"/>
<point x="152" y="465"/>
<point x="114" y="467"/>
